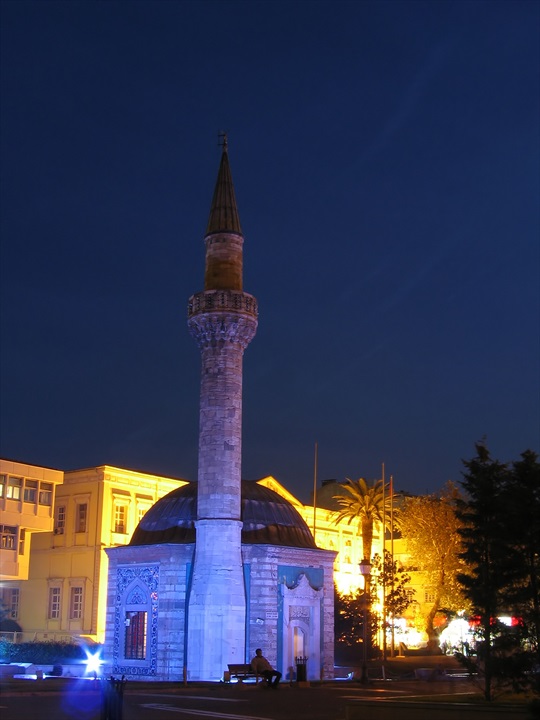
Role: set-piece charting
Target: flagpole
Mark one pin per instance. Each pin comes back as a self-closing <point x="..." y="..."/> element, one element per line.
<point x="315" y="493"/>
<point x="392" y="551"/>
<point x="383" y="571"/>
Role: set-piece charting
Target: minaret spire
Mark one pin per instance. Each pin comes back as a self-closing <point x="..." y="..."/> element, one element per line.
<point x="223" y="320"/>
<point x="224" y="212"/>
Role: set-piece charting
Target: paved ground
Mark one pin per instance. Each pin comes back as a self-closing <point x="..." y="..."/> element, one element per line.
<point x="76" y="700"/>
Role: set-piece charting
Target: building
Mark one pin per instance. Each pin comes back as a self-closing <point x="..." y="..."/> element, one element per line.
<point x="63" y="593"/>
<point x="344" y="538"/>
<point x="222" y="566"/>
<point x="58" y="565"/>
<point x="27" y="494"/>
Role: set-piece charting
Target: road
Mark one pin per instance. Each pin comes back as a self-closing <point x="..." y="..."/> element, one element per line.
<point x="216" y="701"/>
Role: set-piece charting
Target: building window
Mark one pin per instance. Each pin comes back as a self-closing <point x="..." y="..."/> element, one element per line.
<point x="135" y="645"/>
<point x="14" y="488"/>
<point x="9" y="599"/>
<point x="22" y="538"/>
<point x="8" y="537"/>
<point x="429" y="597"/>
<point x="120" y="518"/>
<point x="30" y="491"/>
<point x="75" y="603"/>
<point x="3" y="483"/>
<point x="60" y="520"/>
<point x="80" y="522"/>
<point x="141" y="512"/>
<point x="54" y="603"/>
<point x="45" y="494"/>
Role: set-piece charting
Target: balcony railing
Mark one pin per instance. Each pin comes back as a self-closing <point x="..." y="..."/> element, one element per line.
<point x="222" y="301"/>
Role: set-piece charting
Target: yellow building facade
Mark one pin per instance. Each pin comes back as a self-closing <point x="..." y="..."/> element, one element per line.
<point x="27" y="495"/>
<point x="64" y="596"/>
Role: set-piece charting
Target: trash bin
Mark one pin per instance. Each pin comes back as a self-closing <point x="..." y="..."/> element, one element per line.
<point x="301" y="663"/>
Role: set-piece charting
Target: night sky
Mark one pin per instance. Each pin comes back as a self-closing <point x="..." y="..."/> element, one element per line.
<point x="386" y="161"/>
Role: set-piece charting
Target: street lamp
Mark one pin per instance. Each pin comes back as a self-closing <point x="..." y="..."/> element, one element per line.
<point x="365" y="571"/>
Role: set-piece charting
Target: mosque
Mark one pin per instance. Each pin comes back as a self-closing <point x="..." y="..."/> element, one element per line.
<point x="220" y="566"/>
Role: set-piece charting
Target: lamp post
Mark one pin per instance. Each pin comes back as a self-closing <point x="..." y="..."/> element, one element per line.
<point x="365" y="571"/>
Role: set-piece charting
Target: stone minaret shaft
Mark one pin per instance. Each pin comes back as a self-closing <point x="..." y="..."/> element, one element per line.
<point x="223" y="320"/>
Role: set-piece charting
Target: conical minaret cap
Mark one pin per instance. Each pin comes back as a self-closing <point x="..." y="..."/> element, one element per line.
<point x="224" y="212"/>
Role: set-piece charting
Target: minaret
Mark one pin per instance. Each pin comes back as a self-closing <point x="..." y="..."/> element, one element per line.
<point x="223" y="320"/>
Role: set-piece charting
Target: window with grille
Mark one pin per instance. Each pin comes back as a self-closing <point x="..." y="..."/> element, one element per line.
<point x="30" y="491"/>
<point x="429" y="596"/>
<point x="45" y="494"/>
<point x="120" y="518"/>
<point x="54" y="603"/>
<point x="135" y="641"/>
<point x="60" y="520"/>
<point x="76" y="603"/>
<point x="14" y="488"/>
<point x="82" y="513"/>
<point x="8" y="537"/>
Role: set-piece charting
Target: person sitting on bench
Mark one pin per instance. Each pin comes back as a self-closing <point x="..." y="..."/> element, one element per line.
<point x="262" y="667"/>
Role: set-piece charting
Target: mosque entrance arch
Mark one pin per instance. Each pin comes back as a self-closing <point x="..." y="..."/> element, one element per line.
<point x="301" y="627"/>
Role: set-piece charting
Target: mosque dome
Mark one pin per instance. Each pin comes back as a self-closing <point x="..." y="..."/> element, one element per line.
<point x="268" y="519"/>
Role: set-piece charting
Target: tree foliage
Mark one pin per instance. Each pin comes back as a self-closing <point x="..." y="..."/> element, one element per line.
<point x="431" y="528"/>
<point x="349" y="611"/>
<point x="523" y="492"/>
<point x="391" y="579"/>
<point x="350" y="608"/>
<point x="41" y="652"/>
<point x="367" y="502"/>
<point x="501" y="547"/>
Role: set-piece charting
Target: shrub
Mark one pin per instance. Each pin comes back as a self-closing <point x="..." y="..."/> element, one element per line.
<point x="44" y="653"/>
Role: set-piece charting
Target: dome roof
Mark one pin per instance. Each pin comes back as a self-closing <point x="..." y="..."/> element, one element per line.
<point x="267" y="519"/>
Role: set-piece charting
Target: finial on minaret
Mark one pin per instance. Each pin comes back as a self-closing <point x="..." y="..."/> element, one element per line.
<point x="222" y="140"/>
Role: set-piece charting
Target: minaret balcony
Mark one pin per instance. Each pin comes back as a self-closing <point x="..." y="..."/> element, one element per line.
<point x="222" y="301"/>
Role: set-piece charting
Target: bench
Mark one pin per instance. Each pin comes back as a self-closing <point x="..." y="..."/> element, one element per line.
<point x="241" y="671"/>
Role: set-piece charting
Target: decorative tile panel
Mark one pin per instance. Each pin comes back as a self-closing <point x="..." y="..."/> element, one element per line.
<point x="147" y="577"/>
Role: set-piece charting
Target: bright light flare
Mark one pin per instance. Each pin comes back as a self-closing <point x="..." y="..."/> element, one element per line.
<point x="93" y="662"/>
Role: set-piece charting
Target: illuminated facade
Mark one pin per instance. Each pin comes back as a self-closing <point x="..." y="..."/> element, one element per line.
<point x="65" y="556"/>
<point x="64" y="594"/>
<point x="27" y="494"/>
<point x="222" y="566"/>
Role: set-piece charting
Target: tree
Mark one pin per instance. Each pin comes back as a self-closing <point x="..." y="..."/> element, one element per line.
<point x="391" y="579"/>
<point x="430" y="526"/>
<point x="348" y="617"/>
<point x="523" y="495"/>
<point x="363" y="501"/>
<point x="491" y="556"/>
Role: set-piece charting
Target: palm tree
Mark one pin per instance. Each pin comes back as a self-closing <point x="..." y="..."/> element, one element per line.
<point x="363" y="501"/>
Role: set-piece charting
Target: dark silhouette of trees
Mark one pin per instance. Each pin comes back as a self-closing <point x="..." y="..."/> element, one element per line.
<point x="350" y="608"/>
<point x="523" y="493"/>
<point x="499" y="518"/>
<point x="349" y="617"/>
